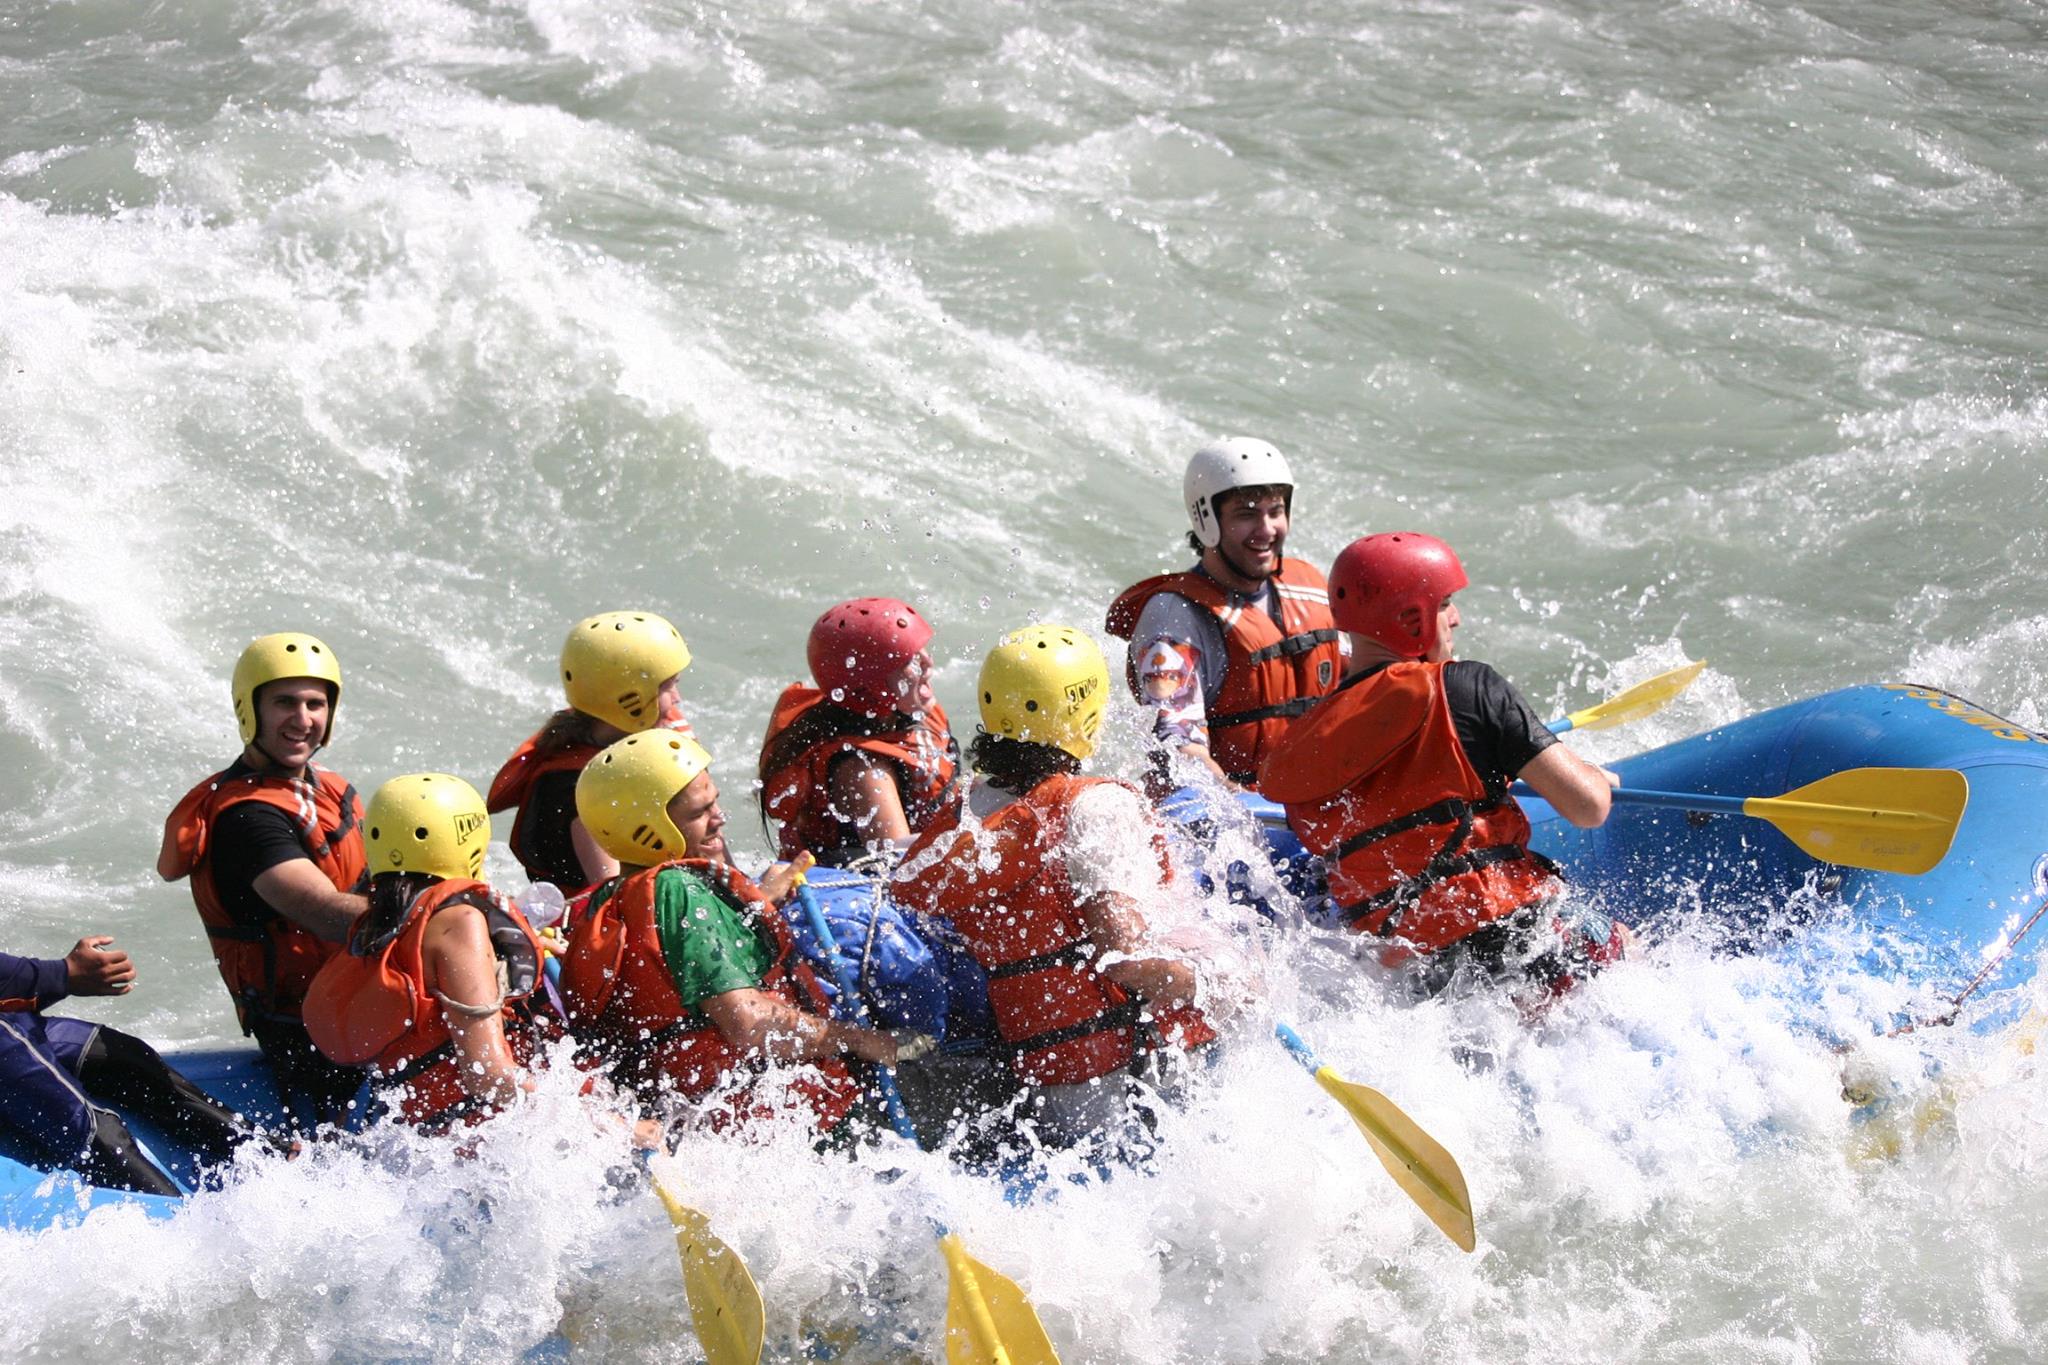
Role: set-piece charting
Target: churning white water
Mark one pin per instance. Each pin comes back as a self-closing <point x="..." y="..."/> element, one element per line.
<point x="1711" y="330"/>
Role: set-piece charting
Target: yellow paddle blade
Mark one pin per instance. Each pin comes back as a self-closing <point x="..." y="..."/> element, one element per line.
<point x="988" y="1319"/>
<point x="1887" y="819"/>
<point x="725" y="1303"/>
<point x="1420" y="1166"/>
<point x="1638" y="701"/>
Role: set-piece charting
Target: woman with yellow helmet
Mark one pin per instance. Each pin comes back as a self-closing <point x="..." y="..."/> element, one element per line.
<point x="1047" y="883"/>
<point x="433" y="992"/>
<point x="619" y="674"/>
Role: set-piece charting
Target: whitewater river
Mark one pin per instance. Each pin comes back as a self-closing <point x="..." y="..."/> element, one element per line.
<point x="1708" y="330"/>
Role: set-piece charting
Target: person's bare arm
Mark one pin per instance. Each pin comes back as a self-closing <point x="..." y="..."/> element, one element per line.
<point x="1114" y="923"/>
<point x="300" y="892"/>
<point x="1577" y="790"/>
<point x="463" y="969"/>
<point x="756" y="1021"/>
<point x="598" y="865"/>
<point x="863" y="790"/>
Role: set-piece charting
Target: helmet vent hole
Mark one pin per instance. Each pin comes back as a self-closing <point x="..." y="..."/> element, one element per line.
<point x="291" y="649"/>
<point x="376" y="833"/>
<point x="1030" y="705"/>
<point x="420" y="833"/>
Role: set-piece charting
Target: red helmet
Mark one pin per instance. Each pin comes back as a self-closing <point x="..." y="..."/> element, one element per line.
<point x="1376" y="581"/>
<point x="858" y="646"/>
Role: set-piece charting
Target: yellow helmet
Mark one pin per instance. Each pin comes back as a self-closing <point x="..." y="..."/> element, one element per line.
<point x="614" y="663"/>
<point x="273" y="658"/>
<point x="427" y="822"/>
<point x="623" y="794"/>
<point x="1045" y="684"/>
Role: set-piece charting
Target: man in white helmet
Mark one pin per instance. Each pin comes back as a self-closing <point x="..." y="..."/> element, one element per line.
<point x="1229" y="652"/>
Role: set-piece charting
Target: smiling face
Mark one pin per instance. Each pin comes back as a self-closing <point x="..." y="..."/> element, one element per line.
<point x="292" y="716"/>
<point x="1253" y="525"/>
<point x="695" y="812"/>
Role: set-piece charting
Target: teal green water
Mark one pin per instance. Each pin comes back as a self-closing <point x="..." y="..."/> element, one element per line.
<point x="1709" y="331"/>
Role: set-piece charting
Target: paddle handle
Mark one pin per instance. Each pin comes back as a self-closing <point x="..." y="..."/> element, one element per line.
<point x="1561" y="725"/>
<point x="885" y="1077"/>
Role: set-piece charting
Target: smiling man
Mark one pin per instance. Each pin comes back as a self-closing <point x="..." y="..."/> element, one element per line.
<point x="1226" y="654"/>
<point x="273" y="844"/>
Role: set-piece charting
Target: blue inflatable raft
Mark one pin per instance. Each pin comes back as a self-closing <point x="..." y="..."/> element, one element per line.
<point x="1977" y="914"/>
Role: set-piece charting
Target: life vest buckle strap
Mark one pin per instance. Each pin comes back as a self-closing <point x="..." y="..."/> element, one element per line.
<point x="1072" y="955"/>
<point x="1111" y="1020"/>
<point x="1279" y="710"/>
<point x="1305" y="642"/>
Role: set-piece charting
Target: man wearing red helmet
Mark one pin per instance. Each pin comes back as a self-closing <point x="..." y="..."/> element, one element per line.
<point x="864" y="760"/>
<point x="1230" y="652"/>
<point x="1400" y="781"/>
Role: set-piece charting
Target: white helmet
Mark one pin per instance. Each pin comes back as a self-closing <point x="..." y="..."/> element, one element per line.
<point x="1236" y="462"/>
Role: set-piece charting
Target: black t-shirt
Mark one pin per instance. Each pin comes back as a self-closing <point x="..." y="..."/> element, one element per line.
<point x="546" y="848"/>
<point x="248" y="839"/>
<point x="1495" y="726"/>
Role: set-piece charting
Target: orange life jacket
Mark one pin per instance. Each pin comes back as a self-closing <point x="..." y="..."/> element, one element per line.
<point x="514" y="784"/>
<point x="618" y="991"/>
<point x="1375" y="780"/>
<point x="1005" y="889"/>
<point x="1271" y="673"/>
<point x="797" y="795"/>
<point x="266" y="960"/>
<point x="370" y="1005"/>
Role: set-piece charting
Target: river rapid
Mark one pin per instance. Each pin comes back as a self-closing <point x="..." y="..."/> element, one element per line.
<point x="1710" y="330"/>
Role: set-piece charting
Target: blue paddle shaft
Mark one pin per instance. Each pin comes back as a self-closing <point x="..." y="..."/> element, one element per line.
<point x="1635" y="796"/>
<point x="885" y="1077"/>
<point x="1301" y="1051"/>
<point x="1561" y="725"/>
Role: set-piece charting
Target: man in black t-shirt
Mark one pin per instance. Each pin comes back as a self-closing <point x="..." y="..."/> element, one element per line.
<point x="1400" y="781"/>
<point x="274" y="847"/>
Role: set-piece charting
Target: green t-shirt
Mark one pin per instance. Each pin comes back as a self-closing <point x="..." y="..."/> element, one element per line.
<point x="710" y="945"/>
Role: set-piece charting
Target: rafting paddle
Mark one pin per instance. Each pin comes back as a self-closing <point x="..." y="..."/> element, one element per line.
<point x="1426" y="1173"/>
<point x="988" y="1319"/>
<point x="725" y="1303"/>
<point x="1632" y="704"/>
<point x="1885" y="819"/>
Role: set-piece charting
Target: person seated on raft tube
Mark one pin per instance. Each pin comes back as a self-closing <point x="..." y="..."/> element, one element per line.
<point x="681" y="971"/>
<point x="1046" y="882"/>
<point x="56" y="1074"/>
<point x="273" y="844"/>
<point x="1400" y="781"/>
<point x="620" y="671"/>
<point x="862" y="762"/>
<point x="435" y="993"/>
<point x="1228" y="653"/>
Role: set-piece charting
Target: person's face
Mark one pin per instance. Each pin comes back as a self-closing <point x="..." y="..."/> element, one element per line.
<point x="1446" y="622"/>
<point x="1254" y="531"/>
<point x="291" y="720"/>
<point x="910" y="687"/>
<point x="668" y="702"/>
<point x="695" y="812"/>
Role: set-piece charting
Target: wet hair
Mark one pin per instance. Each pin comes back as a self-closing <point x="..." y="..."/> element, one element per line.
<point x="568" y="728"/>
<point x="1018" y="765"/>
<point x="391" y="895"/>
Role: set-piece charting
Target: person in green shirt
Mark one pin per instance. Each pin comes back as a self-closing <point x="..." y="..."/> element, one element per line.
<point x="682" y="972"/>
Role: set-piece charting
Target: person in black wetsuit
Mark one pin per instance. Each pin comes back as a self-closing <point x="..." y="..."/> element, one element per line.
<point x="57" y="1075"/>
<point x="1400" y="781"/>
<point x="273" y="845"/>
